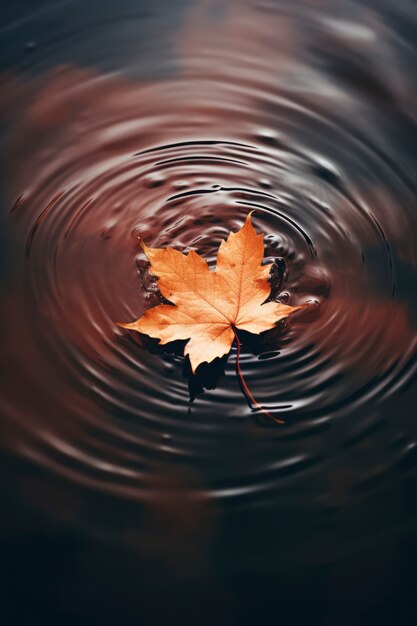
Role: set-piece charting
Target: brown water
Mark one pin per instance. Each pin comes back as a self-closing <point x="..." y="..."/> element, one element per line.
<point x="134" y="492"/>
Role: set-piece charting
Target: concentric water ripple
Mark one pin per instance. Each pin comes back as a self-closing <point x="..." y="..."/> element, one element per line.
<point x="231" y="121"/>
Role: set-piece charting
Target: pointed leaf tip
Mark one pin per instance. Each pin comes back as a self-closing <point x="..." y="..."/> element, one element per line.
<point x="128" y="326"/>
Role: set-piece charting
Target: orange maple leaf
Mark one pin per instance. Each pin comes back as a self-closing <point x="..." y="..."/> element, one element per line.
<point x="209" y="306"/>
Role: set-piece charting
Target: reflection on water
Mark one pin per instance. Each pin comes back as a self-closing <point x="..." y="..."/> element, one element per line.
<point x="172" y="122"/>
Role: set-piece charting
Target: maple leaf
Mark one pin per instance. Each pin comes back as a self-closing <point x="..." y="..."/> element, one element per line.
<point x="209" y="306"/>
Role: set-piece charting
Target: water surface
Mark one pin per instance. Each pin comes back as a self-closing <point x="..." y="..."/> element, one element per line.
<point x="134" y="491"/>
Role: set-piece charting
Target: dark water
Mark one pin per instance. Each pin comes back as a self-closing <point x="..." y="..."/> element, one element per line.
<point x="173" y="120"/>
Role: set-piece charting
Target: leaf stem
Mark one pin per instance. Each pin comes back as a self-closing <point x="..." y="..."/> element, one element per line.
<point x="245" y="387"/>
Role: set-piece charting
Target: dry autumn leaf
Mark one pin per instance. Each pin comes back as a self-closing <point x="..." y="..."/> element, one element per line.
<point x="209" y="306"/>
